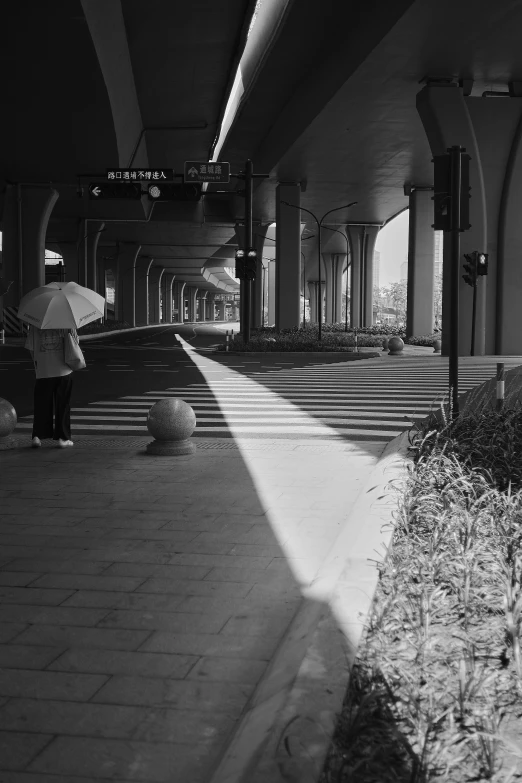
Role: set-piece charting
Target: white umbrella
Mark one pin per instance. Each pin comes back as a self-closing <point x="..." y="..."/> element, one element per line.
<point x="61" y="306"/>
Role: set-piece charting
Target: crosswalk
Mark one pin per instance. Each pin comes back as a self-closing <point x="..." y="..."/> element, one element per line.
<point x="334" y="401"/>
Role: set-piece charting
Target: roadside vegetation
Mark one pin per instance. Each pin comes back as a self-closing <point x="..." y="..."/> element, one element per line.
<point x="435" y="693"/>
<point x="334" y="338"/>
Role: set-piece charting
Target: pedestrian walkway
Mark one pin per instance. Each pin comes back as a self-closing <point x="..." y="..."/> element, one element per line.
<point x="371" y="399"/>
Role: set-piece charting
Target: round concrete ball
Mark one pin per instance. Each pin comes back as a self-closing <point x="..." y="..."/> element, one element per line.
<point x="8" y="418"/>
<point x="171" y="419"/>
<point x="395" y="344"/>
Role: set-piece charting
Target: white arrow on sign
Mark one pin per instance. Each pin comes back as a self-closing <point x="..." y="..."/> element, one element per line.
<point x="193" y="172"/>
<point x="96" y="191"/>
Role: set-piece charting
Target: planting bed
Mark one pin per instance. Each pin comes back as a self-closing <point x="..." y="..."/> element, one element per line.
<point x="435" y="693"/>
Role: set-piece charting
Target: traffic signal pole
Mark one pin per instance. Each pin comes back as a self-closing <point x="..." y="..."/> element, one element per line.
<point x="247" y="284"/>
<point x="455" y="169"/>
<point x="474" y="318"/>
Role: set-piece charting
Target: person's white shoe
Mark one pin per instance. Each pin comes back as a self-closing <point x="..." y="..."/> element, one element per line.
<point x="36" y="443"/>
<point x="64" y="443"/>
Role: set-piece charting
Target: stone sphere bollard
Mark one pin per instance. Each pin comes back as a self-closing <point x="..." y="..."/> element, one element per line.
<point x="385" y="342"/>
<point x="8" y="420"/>
<point x="171" y="422"/>
<point x="395" y="344"/>
<point x="437" y="345"/>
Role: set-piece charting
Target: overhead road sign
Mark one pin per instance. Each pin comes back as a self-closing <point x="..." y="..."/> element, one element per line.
<point x="140" y="175"/>
<point x="173" y="192"/>
<point x="203" y="171"/>
<point x="98" y="191"/>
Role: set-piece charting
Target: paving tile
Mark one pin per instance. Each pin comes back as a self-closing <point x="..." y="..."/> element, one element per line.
<point x="175" y="622"/>
<point x="177" y="536"/>
<point x="213" y="669"/>
<point x="193" y="587"/>
<point x="60" y="566"/>
<point x="124" y="663"/>
<point x="50" y="615"/>
<point x="9" y="631"/>
<point x="158" y="570"/>
<point x="234" y="574"/>
<point x="88" y="582"/>
<point x="39" y="777"/>
<point x="119" y="600"/>
<point x="220" y="561"/>
<point x="61" y="717"/>
<point x="97" y="638"/>
<point x="17" y="579"/>
<point x="255" y="624"/>
<point x="270" y="605"/>
<point x="183" y="726"/>
<point x="116" y="759"/>
<point x="191" y="547"/>
<point x="17" y="749"/>
<point x="19" y="656"/>
<point x="185" y="695"/>
<point x="117" y="521"/>
<point x="33" y="595"/>
<point x="260" y="648"/>
<point x="50" y="685"/>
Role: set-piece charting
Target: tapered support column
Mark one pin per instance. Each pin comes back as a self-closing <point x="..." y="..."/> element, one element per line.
<point x="271" y="292"/>
<point x="421" y="253"/>
<point x="178" y="290"/>
<point x="143" y="265"/>
<point x="202" y="303"/>
<point x="191" y="294"/>
<point x="334" y="264"/>
<point x="124" y="302"/>
<point x="155" y="276"/>
<point x="220" y="306"/>
<point x="235" y="313"/>
<point x="288" y="255"/>
<point x="26" y="215"/>
<point x="100" y="269"/>
<point x="166" y="285"/>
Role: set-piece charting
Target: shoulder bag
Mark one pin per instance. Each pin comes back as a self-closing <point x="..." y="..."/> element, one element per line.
<point x="73" y="354"/>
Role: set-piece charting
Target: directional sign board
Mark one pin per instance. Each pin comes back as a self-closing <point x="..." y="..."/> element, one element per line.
<point x="98" y="191"/>
<point x="140" y="175"/>
<point x="203" y="171"/>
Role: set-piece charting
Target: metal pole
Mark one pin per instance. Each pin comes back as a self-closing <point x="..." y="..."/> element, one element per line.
<point x="249" y="170"/>
<point x="304" y="290"/>
<point x="346" y="298"/>
<point x="320" y="296"/>
<point x="500" y="386"/>
<point x="20" y="246"/>
<point x="473" y="319"/>
<point x="455" y="168"/>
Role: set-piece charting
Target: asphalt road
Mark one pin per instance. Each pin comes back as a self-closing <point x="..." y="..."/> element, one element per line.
<point x="120" y="364"/>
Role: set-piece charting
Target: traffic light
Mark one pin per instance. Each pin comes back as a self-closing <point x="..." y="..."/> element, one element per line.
<point x="470" y="265"/>
<point x="442" y="192"/>
<point x="168" y="191"/>
<point x="482" y="263"/>
<point x="246" y="264"/>
<point x="240" y="264"/>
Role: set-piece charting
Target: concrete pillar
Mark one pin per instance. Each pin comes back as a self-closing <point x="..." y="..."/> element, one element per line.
<point x="491" y="132"/>
<point x="141" y="276"/>
<point x="124" y="295"/>
<point x="362" y="246"/>
<point x="211" y="310"/>
<point x="69" y="254"/>
<point x="257" y="286"/>
<point x="100" y="269"/>
<point x="166" y="287"/>
<point x="202" y="304"/>
<point x="235" y="312"/>
<point x="334" y="264"/>
<point x="191" y="293"/>
<point x="288" y="255"/>
<point x="313" y="287"/>
<point x="271" y="293"/>
<point x="155" y="276"/>
<point x="220" y="311"/>
<point x="24" y="225"/>
<point x="179" y="300"/>
<point x="421" y="253"/>
<point x="94" y="230"/>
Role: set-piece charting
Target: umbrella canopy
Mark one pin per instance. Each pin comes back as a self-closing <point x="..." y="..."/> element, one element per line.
<point x="61" y="306"/>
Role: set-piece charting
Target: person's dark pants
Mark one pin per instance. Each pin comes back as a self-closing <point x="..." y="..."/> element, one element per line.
<point x="52" y="396"/>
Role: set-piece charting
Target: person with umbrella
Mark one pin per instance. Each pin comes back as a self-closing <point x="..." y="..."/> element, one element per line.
<point x="54" y="312"/>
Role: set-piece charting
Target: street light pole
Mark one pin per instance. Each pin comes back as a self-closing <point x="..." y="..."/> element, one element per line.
<point x="319" y="226"/>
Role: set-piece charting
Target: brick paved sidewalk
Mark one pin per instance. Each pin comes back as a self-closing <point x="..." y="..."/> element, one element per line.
<point x="142" y="598"/>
